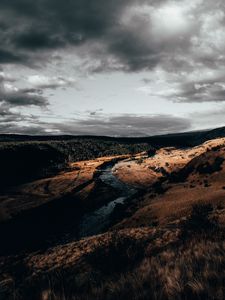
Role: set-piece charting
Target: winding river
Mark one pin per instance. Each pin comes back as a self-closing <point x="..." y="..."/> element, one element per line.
<point x="96" y="221"/>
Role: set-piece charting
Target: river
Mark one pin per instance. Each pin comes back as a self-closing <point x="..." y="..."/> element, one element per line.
<point x="96" y="221"/>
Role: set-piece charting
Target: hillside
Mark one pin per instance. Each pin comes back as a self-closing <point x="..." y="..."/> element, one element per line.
<point x="53" y="153"/>
<point x="23" y="161"/>
<point x="145" y="224"/>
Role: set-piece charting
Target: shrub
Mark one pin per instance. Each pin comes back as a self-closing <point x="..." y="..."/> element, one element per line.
<point x="200" y="220"/>
<point x="120" y="255"/>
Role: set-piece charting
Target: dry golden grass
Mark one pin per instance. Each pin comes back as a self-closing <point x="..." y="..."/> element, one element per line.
<point x="156" y="267"/>
<point x="143" y="172"/>
<point x="177" y="198"/>
<point x="172" y="246"/>
<point x="38" y="192"/>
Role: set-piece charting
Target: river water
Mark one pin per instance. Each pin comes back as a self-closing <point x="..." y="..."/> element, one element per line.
<point x="95" y="222"/>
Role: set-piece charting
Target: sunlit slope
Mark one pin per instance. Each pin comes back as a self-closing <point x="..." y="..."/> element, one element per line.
<point x="189" y="177"/>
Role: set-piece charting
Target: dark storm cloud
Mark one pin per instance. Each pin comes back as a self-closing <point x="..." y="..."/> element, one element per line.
<point x="171" y="36"/>
<point x="36" y="40"/>
<point x="9" y="57"/>
<point x="129" y="35"/>
<point x="51" y="24"/>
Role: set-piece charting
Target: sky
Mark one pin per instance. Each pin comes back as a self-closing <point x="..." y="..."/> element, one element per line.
<point x="115" y="67"/>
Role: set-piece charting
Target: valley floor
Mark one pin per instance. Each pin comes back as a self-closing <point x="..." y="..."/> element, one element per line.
<point x="157" y="229"/>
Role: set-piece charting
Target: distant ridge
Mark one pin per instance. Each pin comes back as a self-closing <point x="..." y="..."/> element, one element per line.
<point x="174" y="139"/>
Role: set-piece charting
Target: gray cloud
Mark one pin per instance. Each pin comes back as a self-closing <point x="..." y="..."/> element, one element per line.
<point x="196" y="92"/>
<point x="123" y="125"/>
<point x="33" y="95"/>
<point x="176" y="37"/>
<point x="54" y="82"/>
<point x="37" y="40"/>
<point x="129" y="30"/>
<point x="15" y="122"/>
<point x="23" y="97"/>
<point x="51" y="24"/>
<point x="8" y="118"/>
<point x="13" y="96"/>
<point x="128" y="35"/>
<point x="12" y="127"/>
<point x="10" y="57"/>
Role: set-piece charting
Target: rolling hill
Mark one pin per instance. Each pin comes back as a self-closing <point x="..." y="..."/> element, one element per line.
<point x="117" y="219"/>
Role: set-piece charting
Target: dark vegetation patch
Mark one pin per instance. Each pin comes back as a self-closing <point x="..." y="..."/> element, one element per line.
<point x="206" y="183"/>
<point x="200" y="220"/>
<point x="158" y="187"/>
<point x="151" y="151"/>
<point x="41" y="227"/>
<point x="181" y="175"/>
<point x="122" y="254"/>
<point x="206" y="167"/>
<point x="210" y="168"/>
<point x="27" y="161"/>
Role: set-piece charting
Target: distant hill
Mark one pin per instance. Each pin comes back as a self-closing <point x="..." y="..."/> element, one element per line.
<point x="175" y="139"/>
<point x="24" y="158"/>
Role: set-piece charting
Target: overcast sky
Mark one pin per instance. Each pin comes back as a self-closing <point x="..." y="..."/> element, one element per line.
<point x="115" y="67"/>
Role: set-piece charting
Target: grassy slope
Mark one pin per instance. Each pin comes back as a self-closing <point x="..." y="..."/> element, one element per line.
<point x="180" y="256"/>
<point x="166" y="263"/>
